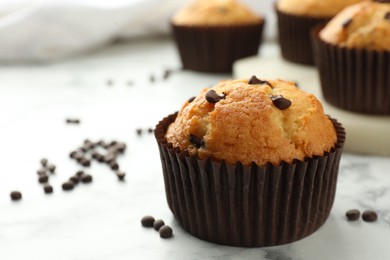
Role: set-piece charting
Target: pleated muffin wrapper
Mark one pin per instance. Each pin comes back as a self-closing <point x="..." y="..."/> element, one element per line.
<point x="294" y="36"/>
<point x="215" y="48"/>
<point x="356" y="80"/>
<point x="248" y="206"/>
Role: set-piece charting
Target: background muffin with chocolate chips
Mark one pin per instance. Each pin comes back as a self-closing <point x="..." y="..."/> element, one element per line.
<point x="211" y="35"/>
<point x="261" y="151"/>
<point x="353" y="57"/>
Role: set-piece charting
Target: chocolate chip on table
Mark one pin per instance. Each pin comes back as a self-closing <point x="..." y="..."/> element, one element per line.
<point x="44" y="162"/>
<point x="158" y="224"/>
<point x="74" y="179"/>
<point x="120" y="175"/>
<point x="85" y="162"/>
<point x="121" y="147"/>
<point x="167" y="74"/>
<point x="150" y="130"/>
<point x="255" y="81"/>
<point x="43" y="178"/>
<point x="387" y="16"/>
<point x="165" y="231"/>
<point x="41" y="171"/>
<point x="352" y="214"/>
<point x="72" y="121"/>
<point x="139" y="131"/>
<point x="369" y="216"/>
<point x="191" y="99"/>
<point x="114" y="165"/>
<point x="86" y="178"/>
<point x="16" y="195"/>
<point x="51" y="168"/>
<point x="196" y="141"/>
<point x="212" y="96"/>
<point x="108" y="158"/>
<point x="68" y="185"/>
<point x="147" y="221"/>
<point x="76" y="155"/>
<point x="346" y="23"/>
<point x="80" y="173"/>
<point x="280" y="102"/>
<point x="47" y="188"/>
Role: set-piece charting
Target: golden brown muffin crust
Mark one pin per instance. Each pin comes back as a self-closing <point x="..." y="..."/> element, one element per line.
<point x="314" y="8"/>
<point x="246" y="125"/>
<point x="215" y="12"/>
<point x="363" y="25"/>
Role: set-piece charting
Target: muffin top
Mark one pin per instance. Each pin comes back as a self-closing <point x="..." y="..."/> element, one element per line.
<point x="215" y="12"/>
<point x="363" y="25"/>
<point x="314" y="8"/>
<point x="253" y="121"/>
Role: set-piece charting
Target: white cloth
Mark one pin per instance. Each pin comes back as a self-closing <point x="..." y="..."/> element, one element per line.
<point x="44" y="30"/>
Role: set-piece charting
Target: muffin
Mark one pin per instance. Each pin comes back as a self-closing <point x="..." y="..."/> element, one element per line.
<point x="211" y="35"/>
<point x="296" y="18"/>
<point x="353" y="58"/>
<point x="250" y="163"/>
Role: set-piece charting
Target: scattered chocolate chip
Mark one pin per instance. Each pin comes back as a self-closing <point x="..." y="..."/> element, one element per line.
<point x="387" y="16"/>
<point x="191" y="99"/>
<point x="212" y="96"/>
<point x="346" y="23"/>
<point x="158" y="224"/>
<point x="51" y="168"/>
<point x="196" y="141"/>
<point x="101" y="143"/>
<point x="121" y="147"/>
<point x="150" y="130"/>
<point x="43" y="178"/>
<point x="255" y="81"/>
<point x="68" y="185"/>
<point x="78" y="155"/>
<point x="72" y="121"/>
<point x="80" y="173"/>
<point x="280" y="102"/>
<point x="72" y="154"/>
<point x="16" y="195"/>
<point x="47" y="188"/>
<point x="296" y="84"/>
<point x="369" y="216"/>
<point x="74" y="179"/>
<point x="114" y="165"/>
<point x="147" y="221"/>
<point x="352" y="214"/>
<point x="120" y="175"/>
<point x="165" y="231"/>
<point x="85" y="162"/>
<point x="100" y="158"/>
<point x="167" y="74"/>
<point x="109" y="158"/>
<point x="113" y="143"/>
<point x="139" y="131"/>
<point x="86" y="178"/>
<point x="41" y="171"/>
<point x="44" y="162"/>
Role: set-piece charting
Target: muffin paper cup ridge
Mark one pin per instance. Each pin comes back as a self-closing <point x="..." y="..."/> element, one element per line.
<point x="294" y="36"/>
<point x="352" y="79"/>
<point x="248" y="206"/>
<point x="215" y="48"/>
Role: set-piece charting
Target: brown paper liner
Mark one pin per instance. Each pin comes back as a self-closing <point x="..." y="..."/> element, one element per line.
<point x="248" y="206"/>
<point x="294" y="36"/>
<point x="215" y="48"/>
<point x="356" y="80"/>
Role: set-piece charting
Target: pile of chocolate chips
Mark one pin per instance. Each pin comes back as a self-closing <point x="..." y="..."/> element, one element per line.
<point x="165" y="231"/>
<point x="367" y="216"/>
<point x="43" y="177"/>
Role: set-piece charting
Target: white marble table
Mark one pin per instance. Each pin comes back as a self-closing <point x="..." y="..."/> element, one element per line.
<point x="102" y="220"/>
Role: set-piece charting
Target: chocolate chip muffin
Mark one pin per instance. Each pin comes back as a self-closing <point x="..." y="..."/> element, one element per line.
<point x="261" y="151"/>
<point x="211" y="35"/>
<point x="353" y="56"/>
<point x="296" y="18"/>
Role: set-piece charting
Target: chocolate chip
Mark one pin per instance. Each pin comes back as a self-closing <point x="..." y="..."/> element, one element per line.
<point x="110" y="157"/>
<point x="76" y="155"/>
<point x="255" y="81"/>
<point x="387" y="16"/>
<point x="147" y="221"/>
<point x="47" y="188"/>
<point x="41" y="172"/>
<point x="113" y="143"/>
<point x="280" y="102"/>
<point x="352" y="214"/>
<point x="86" y="178"/>
<point x="72" y="121"/>
<point x="167" y="74"/>
<point x="16" y="195"/>
<point x="80" y="173"/>
<point x="165" y="231"/>
<point x="51" y="168"/>
<point x="114" y="165"/>
<point x="212" y="96"/>
<point x="369" y="216"/>
<point x="150" y="130"/>
<point x="191" y="99"/>
<point x="85" y="162"/>
<point x="120" y="175"/>
<point x="74" y="179"/>
<point x="44" y="162"/>
<point x="158" y="224"/>
<point x="43" y="178"/>
<point x="346" y="23"/>
<point x="68" y="185"/>
<point x="72" y="154"/>
<point x="139" y="131"/>
<point x="121" y="147"/>
<point x="196" y="141"/>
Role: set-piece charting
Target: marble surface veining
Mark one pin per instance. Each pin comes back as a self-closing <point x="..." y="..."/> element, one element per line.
<point x="102" y="220"/>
